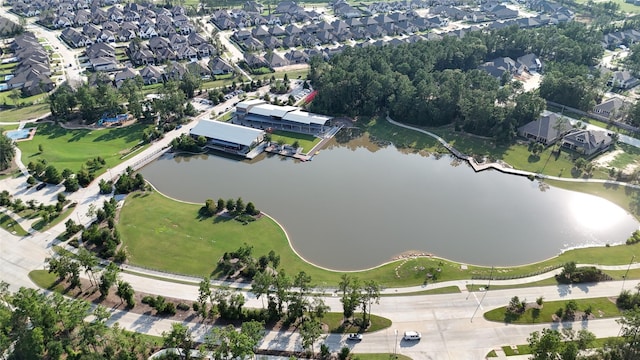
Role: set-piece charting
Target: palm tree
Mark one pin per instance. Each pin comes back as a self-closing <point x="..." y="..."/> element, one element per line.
<point x="7" y="152"/>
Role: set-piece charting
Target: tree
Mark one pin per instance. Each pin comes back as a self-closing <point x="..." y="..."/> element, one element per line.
<point x="310" y="332"/>
<point x="7" y="152"/>
<point x="179" y="337"/>
<point x="87" y="259"/>
<point x="108" y="278"/>
<point x="126" y="293"/>
<point x="189" y="84"/>
<point x="545" y="345"/>
<point x="371" y="294"/>
<point x="350" y="288"/>
<point x="204" y="294"/>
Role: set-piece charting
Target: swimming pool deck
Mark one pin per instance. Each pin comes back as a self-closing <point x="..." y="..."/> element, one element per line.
<point x="30" y="132"/>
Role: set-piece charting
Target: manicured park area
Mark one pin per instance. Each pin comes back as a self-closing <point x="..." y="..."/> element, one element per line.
<point x="70" y="149"/>
<point x="164" y="234"/>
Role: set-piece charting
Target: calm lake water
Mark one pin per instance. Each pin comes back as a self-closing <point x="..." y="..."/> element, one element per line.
<point x="358" y="205"/>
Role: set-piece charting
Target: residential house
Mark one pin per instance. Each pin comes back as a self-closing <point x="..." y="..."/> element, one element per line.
<point x="100" y="50"/>
<point x="106" y="36"/>
<point x="546" y="129"/>
<point x="111" y="26"/>
<point x="91" y="30"/>
<point x="148" y="31"/>
<point x="255" y="61"/>
<point x="125" y="35"/>
<point x="252" y="7"/>
<point x="275" y="60"/>
<point x="199" y="70"/>
<point x="151" y="75"/>
<point x="188" y="53"/>
<point x="125" y="74"/>
<point x="498" y="67"/>
<point x="623" y="80"/>
<point x="31" y="82"/>
<point x="587" y="142"/>
<point x="142" y="56"/>
<point x="82" y="18"/>
<point x="103" y="63"/>
<point x="611" y="108"/>
<point x="159" y="43"/>
<point x="296" y="57"/>
<point x="344" y="10"/>
<point x="195" y="39"/>
<point x="220" y="67"/>
<point x="206" y="49"/>
<point x="531" y="61"/>
<point x="174" y="71"/>
<point x="74" y="38"/>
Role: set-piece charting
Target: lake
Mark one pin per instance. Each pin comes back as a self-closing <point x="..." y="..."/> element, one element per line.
<point x="357" y="205"/>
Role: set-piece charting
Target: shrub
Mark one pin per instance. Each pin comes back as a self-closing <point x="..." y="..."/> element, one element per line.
<point x="149" y="300"/>
<point x="195" y="306"/>
<point x="183" y="307"/>
<point x="634" y="238"/>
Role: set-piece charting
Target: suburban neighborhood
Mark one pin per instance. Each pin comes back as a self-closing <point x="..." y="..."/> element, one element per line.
<point x="105" y="102"/>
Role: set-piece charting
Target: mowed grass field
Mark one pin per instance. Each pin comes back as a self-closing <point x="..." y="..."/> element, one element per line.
<point x="71" y="149"/>
<point x="167" y="235"/>
<point x="164" y="234"/>
<point x="24" y="113"/>
<point x="306" y="142"/>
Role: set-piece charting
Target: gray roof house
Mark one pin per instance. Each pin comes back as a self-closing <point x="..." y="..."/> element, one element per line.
<point x="546" y="129"/>
<point x="499" y="66"/>
<point x="623" y="80"/>
<point x="219" y="66"/>
<point x="126" y="73"/>
<point x="531" y="61"/>
<point x="276" y="60"/>
<point x="587" y="142"/>
<point x="151" y="75"/>
<point x="609" y="108"/>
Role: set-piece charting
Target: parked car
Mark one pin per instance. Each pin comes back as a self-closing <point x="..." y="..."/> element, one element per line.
<point x="41" y="186"/>
<point x="412" y="335"/>
<point x="354" y="337"/>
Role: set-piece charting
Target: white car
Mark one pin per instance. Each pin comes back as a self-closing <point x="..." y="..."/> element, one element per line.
<point x="412" y="335"/>
<point x="354" y="337"/>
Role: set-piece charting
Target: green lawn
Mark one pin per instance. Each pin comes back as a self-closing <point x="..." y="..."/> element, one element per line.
<point x="5" y="98"/>
<point x="41" y="225"/>
<point x="46" y="280"/>
<point x="334" y="322"/>
<point x="7" y="223"/>
<point x="601" y="308"/>
<point x="72" y="148"/>
<point x="167" y="235"/>
<point x="25" y="113"/>
<point x="307" y="142"/>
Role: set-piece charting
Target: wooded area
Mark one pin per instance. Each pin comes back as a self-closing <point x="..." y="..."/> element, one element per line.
<point x="434" y="83"/>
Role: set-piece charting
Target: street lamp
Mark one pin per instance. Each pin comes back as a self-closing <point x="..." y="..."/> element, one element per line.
<point x="624" y="277"/>
<point x="395" y="347"/>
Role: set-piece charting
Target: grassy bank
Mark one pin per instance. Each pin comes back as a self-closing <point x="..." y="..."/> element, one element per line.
<point x="72" y="148"/>
<point x="10" y="225"/>
<point x="167" y="235"/>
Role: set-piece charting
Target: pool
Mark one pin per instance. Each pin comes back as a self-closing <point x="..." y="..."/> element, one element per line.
<point x="20" y="134"/>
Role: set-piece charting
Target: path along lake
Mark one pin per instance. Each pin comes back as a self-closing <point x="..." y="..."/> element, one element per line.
<point x="357" y="205"/>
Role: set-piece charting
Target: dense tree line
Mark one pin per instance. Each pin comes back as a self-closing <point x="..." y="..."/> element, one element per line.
<point x="92" y="101"/>
<point x="434" y="83"/>
<point x="37" y="325"/>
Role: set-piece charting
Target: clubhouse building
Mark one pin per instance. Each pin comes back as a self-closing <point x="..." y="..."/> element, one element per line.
<point x="262" y="115"/>
<point x="230" y="138"/>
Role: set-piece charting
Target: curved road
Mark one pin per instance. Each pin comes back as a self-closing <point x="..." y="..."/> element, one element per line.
<point x="451" y="324"/>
